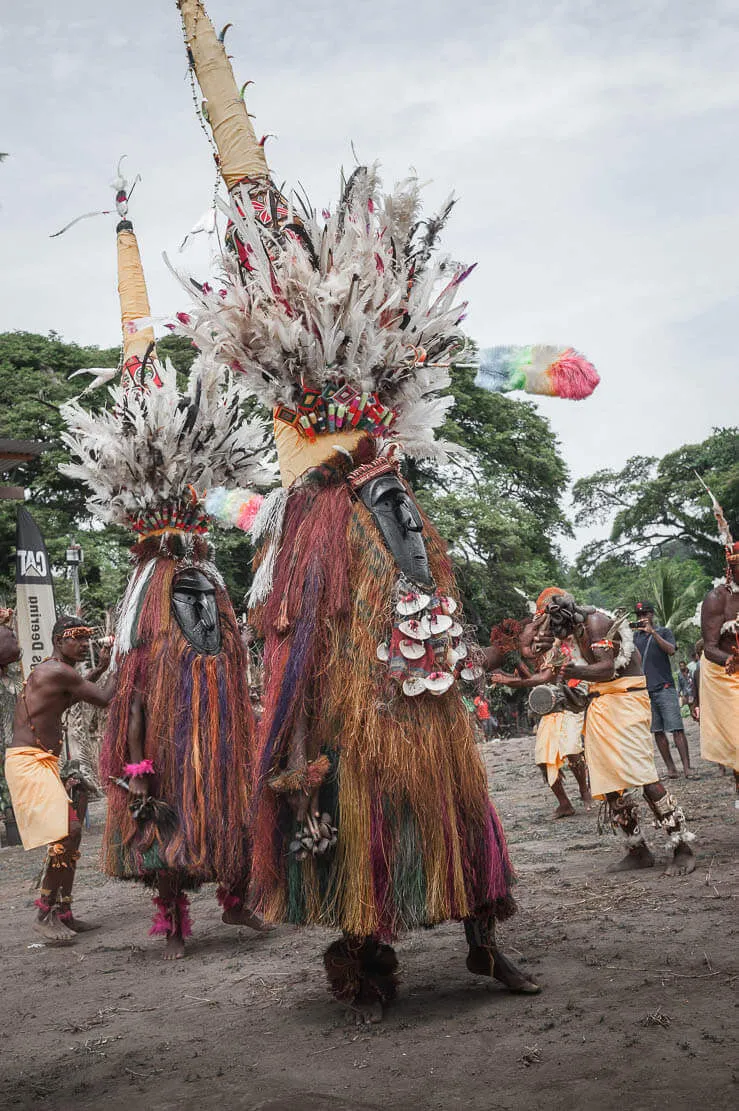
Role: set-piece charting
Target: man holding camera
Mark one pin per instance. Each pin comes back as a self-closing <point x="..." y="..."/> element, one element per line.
<point x="656" y="646"/>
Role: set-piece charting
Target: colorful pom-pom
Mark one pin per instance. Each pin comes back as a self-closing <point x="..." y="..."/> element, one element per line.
<point x="234" y="508"/>
<point x="538" y="369"/>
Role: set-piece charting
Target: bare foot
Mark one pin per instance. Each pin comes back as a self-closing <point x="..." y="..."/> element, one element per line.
<point x="563" y="812"/>
<point x="640" y="857"/>
<point x="245" y="917"/>
<point x="79" y="926"/>
<point x="174" y="950"/>
<point x="51" y="929"/>
<point x="491" y="962"/>
<point x="683" y="862"/>
<point x="672" y="773"/>
<point x="587" y="801"/>
<point x="367" y="1014"/>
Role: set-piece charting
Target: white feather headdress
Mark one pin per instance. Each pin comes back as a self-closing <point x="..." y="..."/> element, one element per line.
<point x="151" y="458"/>
<point x="357" y="298"/>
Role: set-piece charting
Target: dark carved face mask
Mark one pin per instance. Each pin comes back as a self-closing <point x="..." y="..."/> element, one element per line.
<point x="196" y="612"/>
<point x="564" y="616"/>
<point x="397" y="517"/>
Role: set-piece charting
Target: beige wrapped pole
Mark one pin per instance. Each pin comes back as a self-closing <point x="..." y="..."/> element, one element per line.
<point x="134" y="305"/>
<point x="240" y="155"/>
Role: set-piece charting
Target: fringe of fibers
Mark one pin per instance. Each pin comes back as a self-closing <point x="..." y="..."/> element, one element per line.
<point x="199" y="737"/>
<point x="419" y="841"/>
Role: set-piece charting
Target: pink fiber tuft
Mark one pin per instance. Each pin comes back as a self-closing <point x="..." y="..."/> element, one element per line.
<point x="248" y="512"/>
<point x="572" y="376"/>
<point x="227" y="900"/>
<point x="183" y="911"/>
<point x="42" y="904"/>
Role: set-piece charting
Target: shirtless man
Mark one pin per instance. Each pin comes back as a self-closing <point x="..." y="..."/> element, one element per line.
<point x="558" y="735"/>
<point x="618" y="741"/>
<point x="42" y="808"/>
<point x="719" y="671"/>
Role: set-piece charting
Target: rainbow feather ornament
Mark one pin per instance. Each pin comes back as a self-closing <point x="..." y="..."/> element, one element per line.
<point x="538" y="369"/>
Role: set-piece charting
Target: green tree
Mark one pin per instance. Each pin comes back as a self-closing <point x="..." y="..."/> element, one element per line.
<point x="502" y="511"/>
<point x="655" y="504"/>
<point x="34" y="382"/>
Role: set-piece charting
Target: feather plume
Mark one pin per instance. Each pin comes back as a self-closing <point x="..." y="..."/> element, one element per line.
<point x="358" y="297"/>
<point x="151" y="457"/>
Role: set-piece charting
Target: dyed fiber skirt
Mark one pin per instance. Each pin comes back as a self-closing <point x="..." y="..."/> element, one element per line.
<point x="199" y="735"/>
<point x="419" y="841"/>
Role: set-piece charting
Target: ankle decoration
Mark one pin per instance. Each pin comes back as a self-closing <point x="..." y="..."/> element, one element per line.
<point x="228" y="900"/>
<point x="183" y="915"/>
<point x="145" y="767"/>
<point x="361" y="970"/>
<point x="621" y="815"/>
<point x="64" y="912"/>
<point x="479" y="932"/>
<point x="670" y="817"/>
<point x="165" y="919"/>
<point x="43" y="904"/>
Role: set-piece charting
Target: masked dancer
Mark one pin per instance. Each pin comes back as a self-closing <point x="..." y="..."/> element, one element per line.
<point x="177" y="752"/>
<point x="372" y="814"/>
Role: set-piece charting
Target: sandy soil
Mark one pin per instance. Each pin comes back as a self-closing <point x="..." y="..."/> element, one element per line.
<point x="638" y="1008"/>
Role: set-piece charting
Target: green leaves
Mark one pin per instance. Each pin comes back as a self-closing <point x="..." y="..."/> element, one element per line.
<point x="654" y="503"/>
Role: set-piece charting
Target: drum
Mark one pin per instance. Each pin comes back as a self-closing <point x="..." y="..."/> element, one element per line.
<point x="546" y="699"/>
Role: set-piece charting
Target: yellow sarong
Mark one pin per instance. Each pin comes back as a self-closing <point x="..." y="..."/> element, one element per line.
<point x="40" y="802"/>
<point x="719" y="715"/>
<point x="557" y="737"/>
<point x="618" y="743"/>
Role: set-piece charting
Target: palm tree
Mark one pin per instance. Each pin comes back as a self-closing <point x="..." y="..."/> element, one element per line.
<point x="674" y="602"/>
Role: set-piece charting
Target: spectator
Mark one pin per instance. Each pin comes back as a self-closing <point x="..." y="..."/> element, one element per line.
<point x="685" y="685"/>
<point x="657" y="645"/>
<point x="482" y="713"/>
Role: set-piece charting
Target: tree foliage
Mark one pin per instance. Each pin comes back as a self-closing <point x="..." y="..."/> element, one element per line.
<point x="658" y="504"/>
<point x="501" y="511"/>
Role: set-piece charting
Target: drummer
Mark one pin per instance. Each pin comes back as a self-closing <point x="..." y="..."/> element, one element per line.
<point x="559" y="736"/>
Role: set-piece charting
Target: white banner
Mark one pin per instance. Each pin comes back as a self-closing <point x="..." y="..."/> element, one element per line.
<point x="34" y="586"/>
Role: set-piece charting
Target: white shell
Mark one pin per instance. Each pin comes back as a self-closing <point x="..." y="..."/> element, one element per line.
<point x="417" y="603"/>
<point x="416" y="630"/>
<point x="439" y="683"/>
<point x="412" y="687"/>
<point x="448" y="603"/>
<point x="412" y="649"/>
<point x="383" y="653"/>
<point x="474" y="672"/>
<point x="461" y="650"/>
<point x="455" y="630"/>
<point x="439" y="623"/>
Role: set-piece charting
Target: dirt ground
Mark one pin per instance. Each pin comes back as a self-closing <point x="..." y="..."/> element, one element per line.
<point x="638" y="1008"/>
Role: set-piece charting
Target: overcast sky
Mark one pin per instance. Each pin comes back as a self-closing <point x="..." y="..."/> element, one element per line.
<point x="593" y="147"/>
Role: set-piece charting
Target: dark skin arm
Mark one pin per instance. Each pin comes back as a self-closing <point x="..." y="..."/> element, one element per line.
<point x="523" y="682"/>
<point x="138" y="784"/>
<point x="712" y="618"/>
<point x="647" y="626"/>
<point x="84" y="689"/>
